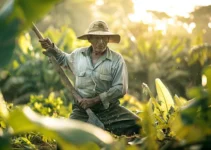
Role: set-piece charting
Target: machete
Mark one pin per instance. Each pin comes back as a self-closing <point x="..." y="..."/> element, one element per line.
<point x="92" y="117"/>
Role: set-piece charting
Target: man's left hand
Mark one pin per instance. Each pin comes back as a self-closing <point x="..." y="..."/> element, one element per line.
<point x="89" y="102"/>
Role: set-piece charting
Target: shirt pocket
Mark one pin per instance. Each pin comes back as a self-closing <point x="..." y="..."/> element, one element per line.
<point x="83" y="80"/>
<point x="105" y="77"/>
<point x="105" y="82"/>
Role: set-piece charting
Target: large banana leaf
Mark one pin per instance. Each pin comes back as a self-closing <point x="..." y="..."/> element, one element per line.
<point x="65" y="132"/>
<point x="16" y="16"/>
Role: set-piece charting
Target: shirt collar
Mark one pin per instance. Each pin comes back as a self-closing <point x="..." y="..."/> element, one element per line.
<point x="86" y="52"/>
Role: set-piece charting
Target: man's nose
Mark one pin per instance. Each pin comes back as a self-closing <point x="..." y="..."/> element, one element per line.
<point x="100" y="40"/>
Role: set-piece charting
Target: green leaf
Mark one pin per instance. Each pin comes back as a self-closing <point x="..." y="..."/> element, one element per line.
<point x="15" y="17"/>
<point x="160" y="134"/>
<point x="207" y="73"/>
<point x="179" y="101"/>
<point x="148" y="126"/>
<point x="3" y="108"/>
<point x="64" y="131"/>
<point x="146" y="90"/>
<point x="5" y="143"/>
<point x="165" y="97"/>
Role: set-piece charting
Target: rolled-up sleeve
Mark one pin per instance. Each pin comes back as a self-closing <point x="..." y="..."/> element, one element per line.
<point x="119" y="84"/>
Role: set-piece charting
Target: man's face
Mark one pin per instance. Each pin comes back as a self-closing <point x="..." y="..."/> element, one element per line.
<point x="99" y="42"/>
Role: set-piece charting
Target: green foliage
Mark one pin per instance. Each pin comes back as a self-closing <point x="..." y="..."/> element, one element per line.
<point x="176" y="61"/>
<point x="31" y="73"/>
<point x="62" y="130"/>
<point x="26" y="79"/>
<point x="50" y="106"/>
<point x="21" y="142"/>
<point x="201" y="53"/>
<point x="172" y="61"/>
<point x="167" y="122"/>
<point x="173" y="122"/>
<point x="28" y="74"/>
<point x="32" y="140"/>
<point x="132" y="103"/>
<point x="151" y="58"/>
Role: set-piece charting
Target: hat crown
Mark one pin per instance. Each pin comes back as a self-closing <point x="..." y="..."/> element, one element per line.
<point x="98" y="26"/>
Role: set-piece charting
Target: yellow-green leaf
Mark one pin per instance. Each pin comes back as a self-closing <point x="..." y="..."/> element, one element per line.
<point x="160" y="134"/>
<point x="148" y="125"/>
<point x="164" y="97"/>
<point x="207" y="73"/>
<point x="179" y="101"/>
<point x="3" y="108"/>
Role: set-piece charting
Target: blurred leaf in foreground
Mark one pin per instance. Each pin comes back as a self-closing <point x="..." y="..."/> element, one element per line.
<point x="65" y="132"/>
<point x="16" y="16"/>
<point x="5" y="143"/>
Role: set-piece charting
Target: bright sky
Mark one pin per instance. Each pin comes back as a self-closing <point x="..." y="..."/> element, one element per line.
<point x="171" y="7"/>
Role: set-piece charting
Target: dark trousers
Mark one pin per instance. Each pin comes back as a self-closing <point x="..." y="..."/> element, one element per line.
<point x="116" y="119"/>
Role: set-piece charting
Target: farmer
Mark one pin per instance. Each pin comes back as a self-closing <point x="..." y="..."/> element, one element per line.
<point x="101" y="79"/>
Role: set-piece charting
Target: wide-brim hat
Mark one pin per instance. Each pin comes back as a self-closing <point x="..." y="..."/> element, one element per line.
<point x="100" y="28"/>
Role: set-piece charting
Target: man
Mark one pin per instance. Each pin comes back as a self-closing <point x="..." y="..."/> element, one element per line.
<point x="101" y="79"/>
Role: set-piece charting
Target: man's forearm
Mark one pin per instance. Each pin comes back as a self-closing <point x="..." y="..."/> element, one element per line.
<point x="112" y="94"/>
<point x="96" y="100"/>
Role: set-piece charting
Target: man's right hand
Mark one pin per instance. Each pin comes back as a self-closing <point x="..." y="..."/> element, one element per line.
<point x="46" y="43"/>
<point x="49" y="46"/>
<point x="89" y="102"/>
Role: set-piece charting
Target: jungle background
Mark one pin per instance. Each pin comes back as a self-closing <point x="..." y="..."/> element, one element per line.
<point x="168" y="60"/>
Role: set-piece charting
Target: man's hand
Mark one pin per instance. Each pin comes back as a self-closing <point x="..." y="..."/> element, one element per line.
<point x="46" y="43"/>
<point x="49" y="46"/>
<point x="89" y="102"/>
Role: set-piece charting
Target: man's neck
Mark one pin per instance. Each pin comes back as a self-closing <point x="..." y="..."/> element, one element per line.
<point x="98" y="54"/>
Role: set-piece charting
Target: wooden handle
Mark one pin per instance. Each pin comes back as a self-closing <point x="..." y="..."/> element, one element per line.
<point x="37" y="32"/>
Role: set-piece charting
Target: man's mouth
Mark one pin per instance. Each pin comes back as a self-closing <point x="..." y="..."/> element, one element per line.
<point x="101" y="47"/>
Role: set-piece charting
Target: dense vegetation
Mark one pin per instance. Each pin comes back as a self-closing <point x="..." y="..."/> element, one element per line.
<point x="169" y="80"/>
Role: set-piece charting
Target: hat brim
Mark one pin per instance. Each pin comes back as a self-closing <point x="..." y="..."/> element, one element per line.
<point x="113" y="38"/>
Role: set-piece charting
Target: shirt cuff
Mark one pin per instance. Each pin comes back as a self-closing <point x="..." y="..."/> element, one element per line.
<point x="103" y="98"/>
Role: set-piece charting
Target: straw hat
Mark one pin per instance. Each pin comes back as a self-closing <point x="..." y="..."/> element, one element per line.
<point x="100" y="28"/>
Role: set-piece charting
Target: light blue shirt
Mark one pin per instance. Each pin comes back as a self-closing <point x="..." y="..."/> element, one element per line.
<point x="108" y="78"/>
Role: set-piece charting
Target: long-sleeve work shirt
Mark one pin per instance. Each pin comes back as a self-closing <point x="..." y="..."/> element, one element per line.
<point x="108" y="78"/>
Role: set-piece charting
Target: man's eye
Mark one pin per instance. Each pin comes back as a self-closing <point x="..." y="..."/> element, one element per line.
<point x="98" y="38"/>
<point x="94" y="39"/>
